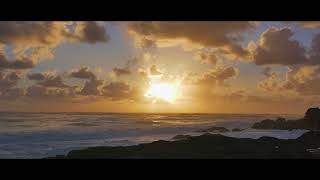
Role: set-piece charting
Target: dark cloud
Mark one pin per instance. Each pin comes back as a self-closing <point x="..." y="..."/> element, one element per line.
<point x="218" y="76"/>
<point x="315" y="45"/>
<point x="36" y="91"/>
<point x="154" y="71"/>
<point x="50" y="32"/>
<point x="13" y="76"/>
<point x="35" y="40"/>
<point x="91" y="87"/>
<point x="224" y="74"/>
<point x="38" y="37"/>
<point x="44" y="93"/>
<point x="47" y="79"/>
<point x="12" y="93"/>
<point x="6" y="84"/>
<point x="121" y="71"/>
<point x="143" y="73"/>
<point x="276" y="46"/>
<point x="83" y="73"/>
<point x="8" y="80"/>
<point x="92" y="32"/>
<point x="270" y="84"/>
<point x="117" y="90"/>
<point x="22" y="32"/>
<point x="266" y="71"/>
<point x="315" y="49"/>
<point x="146" y="43"/>
<point x="36" y="76"/>
<point x="132" y="62"/>
<point x="208" y="57"/>
<point x="60" y="92"/>
<point x="126" y="70"/>
<point x="21" y="64"/>
<point x="302" y="80"/>
<point x="53" y="81"/>
<point x="217" y="34"/>
<point x="15" y="64"/>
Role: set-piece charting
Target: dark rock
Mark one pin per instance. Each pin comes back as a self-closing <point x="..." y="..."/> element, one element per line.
<point x="264" y="124"/>
<point x="311" y="136"/>
<point x="312" y="116"/>
<point x="210" y="146"/>
<point x="281" y="120"/>
<point x="268" y="139"/>
<point x="311" y="121"/>
<point x="214" y="129"/>
<point x="236" y="130"/>
<point x="181" y="137"/>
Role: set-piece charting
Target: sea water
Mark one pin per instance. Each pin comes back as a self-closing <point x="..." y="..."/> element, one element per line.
<point x="39" y="135"/>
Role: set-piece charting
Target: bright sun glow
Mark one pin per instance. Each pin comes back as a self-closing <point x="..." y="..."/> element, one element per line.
<point x="164" y="91"/>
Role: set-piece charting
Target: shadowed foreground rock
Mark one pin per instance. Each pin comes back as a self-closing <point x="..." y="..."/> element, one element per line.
<point x="311" y="121"/>
<point x="210" y="146"/>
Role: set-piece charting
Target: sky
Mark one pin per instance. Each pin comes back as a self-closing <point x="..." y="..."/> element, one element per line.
<point x="174" y="67"/>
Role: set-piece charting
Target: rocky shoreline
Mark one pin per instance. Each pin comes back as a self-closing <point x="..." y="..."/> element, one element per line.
<point x="311" y="121"/>
<point x="217" y="146"/>
<point x="213" y="146"/>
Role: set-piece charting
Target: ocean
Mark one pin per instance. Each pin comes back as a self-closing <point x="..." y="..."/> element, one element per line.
<point x="40" y="135"/>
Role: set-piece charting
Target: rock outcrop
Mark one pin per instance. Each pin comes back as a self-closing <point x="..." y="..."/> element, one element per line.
<point x="311" y="121"/>
<point x="210" y="146"/>
<point x="312" y="116"/>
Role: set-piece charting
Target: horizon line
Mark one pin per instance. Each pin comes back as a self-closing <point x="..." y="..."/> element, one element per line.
<point x="101" y="112"/>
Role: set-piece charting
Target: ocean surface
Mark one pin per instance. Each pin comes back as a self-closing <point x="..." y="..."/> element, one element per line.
<point x="39" y="135"/>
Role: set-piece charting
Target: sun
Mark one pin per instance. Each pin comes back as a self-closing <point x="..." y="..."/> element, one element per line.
<point x="164" y="91"/>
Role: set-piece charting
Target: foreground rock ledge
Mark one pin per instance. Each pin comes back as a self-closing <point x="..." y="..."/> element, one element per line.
<point x="209" y="146"/>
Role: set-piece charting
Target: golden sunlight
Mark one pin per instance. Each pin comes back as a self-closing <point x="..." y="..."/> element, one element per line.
<point x="164" y="91"/>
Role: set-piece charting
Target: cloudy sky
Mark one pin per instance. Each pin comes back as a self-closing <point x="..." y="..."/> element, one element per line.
<point x="205" y="67"/>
